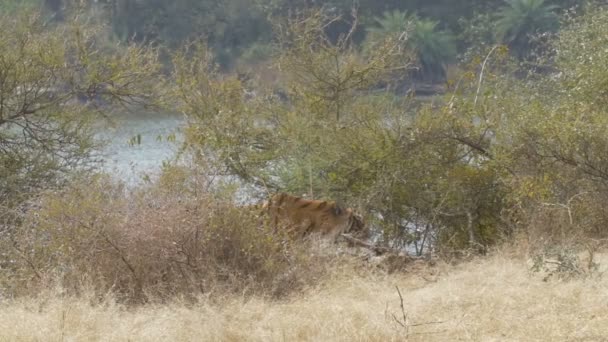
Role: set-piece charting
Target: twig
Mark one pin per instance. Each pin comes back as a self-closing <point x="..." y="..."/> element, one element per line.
<point x="28" y="261"/>
<point x="403" y="322"/>
<point x="404" y="315"/>
<point x="377" y="249"/>
<point x="483" y="67"/>
<point x="425" y="323"/>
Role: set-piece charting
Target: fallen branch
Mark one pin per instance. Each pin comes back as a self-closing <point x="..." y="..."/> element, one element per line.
<point x="377" y="249"/>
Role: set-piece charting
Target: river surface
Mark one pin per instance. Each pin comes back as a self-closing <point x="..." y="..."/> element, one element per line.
<point x="131" y="159"/>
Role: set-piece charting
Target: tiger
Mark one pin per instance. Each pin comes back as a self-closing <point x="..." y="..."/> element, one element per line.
<point x="303" y="217"/>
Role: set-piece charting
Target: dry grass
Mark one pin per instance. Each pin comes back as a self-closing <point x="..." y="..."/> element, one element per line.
<point x="152" y="244"/>
<point x="493" y="299"/>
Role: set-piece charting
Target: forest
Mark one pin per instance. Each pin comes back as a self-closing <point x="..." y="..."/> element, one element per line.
<point x="460" y="131"/>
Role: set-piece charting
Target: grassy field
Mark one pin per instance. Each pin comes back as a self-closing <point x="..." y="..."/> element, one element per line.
<point x="491" y="299"/>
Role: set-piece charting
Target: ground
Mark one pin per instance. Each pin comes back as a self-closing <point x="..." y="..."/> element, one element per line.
<point x="495" y="298"/>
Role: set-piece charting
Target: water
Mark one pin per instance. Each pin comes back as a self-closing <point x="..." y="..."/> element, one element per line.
<point x="130" y="159"/>
<point x="133" y="162"/>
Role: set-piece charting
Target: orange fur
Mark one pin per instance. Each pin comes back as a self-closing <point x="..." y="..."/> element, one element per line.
<point x="303" y="217"/>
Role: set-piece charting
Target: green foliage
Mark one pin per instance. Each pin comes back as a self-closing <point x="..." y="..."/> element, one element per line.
<point x="545" y="134"/>
<point x="434" y="48"/>
<point x="476" y="34"/>
<point x="580" y="53"/>
<point x="506" y="149"/>
<point x="518" y="20"/>
<point x="335" y="137"/>
<point x="257" y="53"/>
<point x="229" y="27"/>
<point x="392" y="22"/>
<point x="55" y="81"/>
<point x="569" y="128"/>
<point x="15" y="6"/>
<point x="220" y="117"/>
<point x="263" y="136"/>
<point x="563" y="263"/>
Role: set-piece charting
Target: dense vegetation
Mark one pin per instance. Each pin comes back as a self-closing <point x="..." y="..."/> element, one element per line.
<point x="241" y="31"/>
<point x="285" y="96"/>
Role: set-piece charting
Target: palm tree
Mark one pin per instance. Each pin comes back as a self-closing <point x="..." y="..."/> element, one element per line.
<point x="433" y="48"/>
<point x="392" y="22"/>
<point x="519" y="19"/>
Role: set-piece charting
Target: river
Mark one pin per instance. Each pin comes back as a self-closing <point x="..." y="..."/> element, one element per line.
<point x="131" y="159"/>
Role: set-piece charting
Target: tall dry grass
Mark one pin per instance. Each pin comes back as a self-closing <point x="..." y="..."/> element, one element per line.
<point x="169" y="240"/>
<point x="492" y="299"/>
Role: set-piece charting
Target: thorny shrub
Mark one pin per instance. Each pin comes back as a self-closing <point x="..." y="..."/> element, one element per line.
<point x="564" y="263"/>
<point x="151" y="244"/>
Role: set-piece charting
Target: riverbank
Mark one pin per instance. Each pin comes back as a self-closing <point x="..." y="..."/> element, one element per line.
<point x="487" y="299"/>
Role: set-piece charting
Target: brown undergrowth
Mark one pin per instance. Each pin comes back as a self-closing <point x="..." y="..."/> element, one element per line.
<point x="153" y="244"/>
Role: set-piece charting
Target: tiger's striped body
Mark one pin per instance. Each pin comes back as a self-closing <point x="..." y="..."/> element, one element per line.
<point x="303" y="217"/>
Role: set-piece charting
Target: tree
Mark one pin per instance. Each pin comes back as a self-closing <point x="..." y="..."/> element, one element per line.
<point x="55" y="81"/>
<point x="294" y="144"/>
<point x="518" y="20"/>
<point x="561" y="137"/>
<point x="393" y="22"/>
<point x="229" y="27"/>
<point x="433" y="48"/>
<point x="539" y="140"/>
<point x="335" y="136"/>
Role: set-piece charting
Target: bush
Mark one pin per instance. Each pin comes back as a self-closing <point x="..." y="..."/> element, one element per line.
<point x="563" y="263"/>
<point x="58" y="82"/>
<point x="152" y="244"/>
